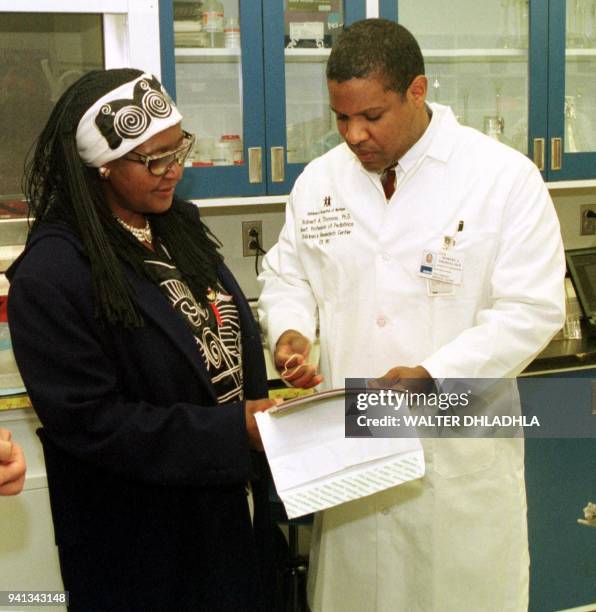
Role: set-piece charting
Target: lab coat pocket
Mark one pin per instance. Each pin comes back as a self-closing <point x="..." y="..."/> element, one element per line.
<point x="453" y="457"/>
<point x="456" y="311"/>
<point x="478" y="250"/>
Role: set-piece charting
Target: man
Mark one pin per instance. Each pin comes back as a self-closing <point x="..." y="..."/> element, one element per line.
<point x="12" y="465"/>
<point x="352" y="258"/>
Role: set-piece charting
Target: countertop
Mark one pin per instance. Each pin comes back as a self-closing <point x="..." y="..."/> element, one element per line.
<point x="565" y="355"/>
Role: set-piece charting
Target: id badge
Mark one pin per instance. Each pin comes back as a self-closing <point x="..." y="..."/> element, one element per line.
<point x="438" y="289"/>
<point x="442" y="269"/>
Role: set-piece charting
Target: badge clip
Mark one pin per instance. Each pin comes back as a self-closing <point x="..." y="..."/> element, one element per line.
<point x="449" y="241"/>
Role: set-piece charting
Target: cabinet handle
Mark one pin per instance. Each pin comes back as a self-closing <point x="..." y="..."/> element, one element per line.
<point x="277" y="165"/>
<point x="556" y="161"/>
<point x="255" y="165"/>
<point x="539" y="150"/>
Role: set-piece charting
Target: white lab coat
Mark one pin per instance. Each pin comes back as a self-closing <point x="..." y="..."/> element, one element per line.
<point x="456" y="540"/>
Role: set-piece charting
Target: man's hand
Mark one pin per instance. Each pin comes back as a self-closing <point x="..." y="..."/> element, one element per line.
<point x="403" y="378"/>
<point x="250" y="407"/>
<point x="291" y="352"/>
<point x="12" y="465"/>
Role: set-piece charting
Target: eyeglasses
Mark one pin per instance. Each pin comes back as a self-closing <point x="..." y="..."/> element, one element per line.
<point x="160" y="163"/>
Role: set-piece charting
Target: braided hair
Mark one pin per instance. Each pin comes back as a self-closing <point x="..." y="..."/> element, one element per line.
<point x="60" y="188"/>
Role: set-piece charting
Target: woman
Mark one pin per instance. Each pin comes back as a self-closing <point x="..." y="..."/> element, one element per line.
<point x="12" y="465"/>
<point x="141" y="358"/>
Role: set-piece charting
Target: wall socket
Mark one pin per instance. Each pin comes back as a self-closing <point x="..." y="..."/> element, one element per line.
<point x="252" y="234"/>
<point x="587" y="220"/>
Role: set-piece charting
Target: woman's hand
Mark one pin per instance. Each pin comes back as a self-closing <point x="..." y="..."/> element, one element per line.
<point x="250" y="407"/>
<point x="12" y="465"/>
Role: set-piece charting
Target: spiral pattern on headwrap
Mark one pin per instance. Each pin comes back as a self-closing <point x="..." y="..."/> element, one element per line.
<point x="156" y="105"/>
<point x="123" y="118"/>
<point x="130" y="121"/>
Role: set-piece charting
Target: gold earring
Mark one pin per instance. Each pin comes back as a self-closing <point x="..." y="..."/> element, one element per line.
<point x="104" y="172"/>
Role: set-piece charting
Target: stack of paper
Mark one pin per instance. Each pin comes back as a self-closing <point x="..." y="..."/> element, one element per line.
<point x="315" y="466"/>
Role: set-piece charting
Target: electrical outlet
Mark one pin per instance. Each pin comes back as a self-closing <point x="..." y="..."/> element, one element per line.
<point x="587" y="220"/>
<point x="252" y="234"/>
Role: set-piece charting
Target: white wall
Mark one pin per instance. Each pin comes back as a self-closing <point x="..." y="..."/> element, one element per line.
<point x="227" y="226"/>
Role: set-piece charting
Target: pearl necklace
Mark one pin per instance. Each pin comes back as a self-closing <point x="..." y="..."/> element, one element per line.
<point x="142" y="234"/>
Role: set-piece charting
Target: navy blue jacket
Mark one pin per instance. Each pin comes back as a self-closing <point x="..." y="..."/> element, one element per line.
<point x="144" y="468"/>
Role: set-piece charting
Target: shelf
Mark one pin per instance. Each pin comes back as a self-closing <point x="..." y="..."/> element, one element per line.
<point x="307" y="55"/>
<point x="283" y="199"/>
<point x="587" y="53"/>
<point x="476" y="55"/>
<point x="575" y="184"/>
<point x="199" y="54"/>
<point x="321" y="55"/>
<point x="433" y="55"/>
<point x="240" y="201"/>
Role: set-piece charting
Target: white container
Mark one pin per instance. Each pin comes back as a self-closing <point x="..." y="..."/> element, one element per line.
<point x="223" y="154"/>
<point x="213" y="22"/>
<point x="235" y="143"/>
<point x="204" y="152"/>
<point x="232" y="34"/>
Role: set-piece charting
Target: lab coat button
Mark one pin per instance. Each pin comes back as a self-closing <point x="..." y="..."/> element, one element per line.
<point x="381" y="321"/>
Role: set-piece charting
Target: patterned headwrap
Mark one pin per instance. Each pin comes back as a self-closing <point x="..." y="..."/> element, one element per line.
<point x="123" y="119"/>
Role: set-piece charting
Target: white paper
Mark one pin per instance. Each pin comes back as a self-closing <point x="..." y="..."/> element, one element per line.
<point x="315" y="466"/>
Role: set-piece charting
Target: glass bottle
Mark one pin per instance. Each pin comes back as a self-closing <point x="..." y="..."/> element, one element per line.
<point x="576" y="22"/>
<point x="577" y="127"/>
<point x="522" y="21"/>
<point x="506" y="24"/>
<point x="494" y="127"/>
<point x="591" y="21"/>
<point x="213" y="22"/>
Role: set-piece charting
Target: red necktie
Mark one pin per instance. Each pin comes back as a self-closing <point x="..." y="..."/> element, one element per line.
<point x="388" y="182"/>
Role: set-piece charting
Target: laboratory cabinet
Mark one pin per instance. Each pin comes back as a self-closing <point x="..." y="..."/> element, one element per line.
<point x="522" y="71"/>
<point x="28" y="554"/>
<point x="249" y="79"/>
<point x="560" y="481"/>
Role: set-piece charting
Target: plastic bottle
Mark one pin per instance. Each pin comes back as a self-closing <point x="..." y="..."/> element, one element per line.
<point x="223" y="154"/>
<point x="235" y="143"/>
<point x="232" y="34"/>
<point x="213" y="22"/>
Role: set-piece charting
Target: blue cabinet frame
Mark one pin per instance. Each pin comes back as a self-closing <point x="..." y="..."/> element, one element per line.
<point x="275" y="92"/>
<point x="574" y="165"/>
<point x="225" y="181"/>
<point x="546" y="107"/>
<point x="263" y="84"/>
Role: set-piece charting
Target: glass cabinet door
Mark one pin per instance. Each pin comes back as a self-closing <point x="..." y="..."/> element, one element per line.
<point x="298" y="39"/>
<point x="580" y="76"/>
<point x="45" y="45"/>
<point x="213" y="68"/>
<point x="572" y="89"/>
<point x="476" y="60"/>
<point x="41" y="54"/>
<point x="249" y="77"/>
<point x="309" y="32"/>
